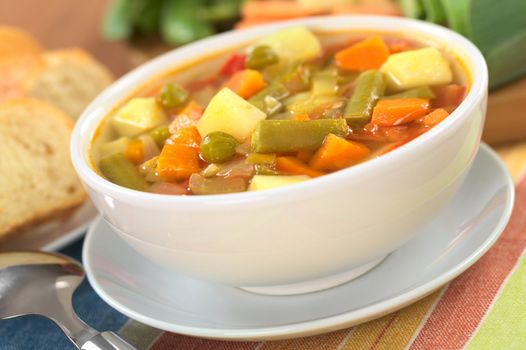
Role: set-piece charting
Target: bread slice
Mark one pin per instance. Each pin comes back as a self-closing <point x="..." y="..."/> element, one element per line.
<point x="71" y="80"/>
<point x="20" y="57"/>
<point x="15" y="42"/>
<point x="15" y="70"/>
<point x="37" y="178"/>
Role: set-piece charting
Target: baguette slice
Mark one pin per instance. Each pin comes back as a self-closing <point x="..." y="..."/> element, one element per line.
<point x="37" y="179"/>
<point x="15" y="42"/>
<point x="20" y="56"/>
<point x="71" y="79"/>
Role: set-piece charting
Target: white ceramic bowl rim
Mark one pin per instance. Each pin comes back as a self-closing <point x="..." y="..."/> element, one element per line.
<point x="85" y="125"/>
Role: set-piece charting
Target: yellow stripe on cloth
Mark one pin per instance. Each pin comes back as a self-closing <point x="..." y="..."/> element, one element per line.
<point x="328" y="341"/>
<point x="394" y="331"/>
<point x="505" y="324"/>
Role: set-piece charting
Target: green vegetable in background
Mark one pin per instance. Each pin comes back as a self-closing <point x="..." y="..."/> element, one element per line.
<point x="177" y="21"/>
<point x="117" y="23"/>
<point x="180" y="22"/>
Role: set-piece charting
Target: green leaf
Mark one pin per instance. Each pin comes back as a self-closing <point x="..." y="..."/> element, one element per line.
<point x="117" y="23"/>
<point x="181" y="22"/>
<point x="507" y="61"/>
<point x="434" y="12"/>
<point x="457" y="15"/>
<point x="412" y="8"/>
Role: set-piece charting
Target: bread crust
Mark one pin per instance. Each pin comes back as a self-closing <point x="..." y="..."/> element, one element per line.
<point x="41" y="108"/>
<point x="16" y="42"/>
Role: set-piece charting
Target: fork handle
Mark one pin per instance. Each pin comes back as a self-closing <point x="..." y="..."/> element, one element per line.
<point x="106" y="341"/>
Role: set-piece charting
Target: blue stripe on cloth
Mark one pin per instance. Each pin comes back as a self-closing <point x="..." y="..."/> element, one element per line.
<point x="36" y="332"/>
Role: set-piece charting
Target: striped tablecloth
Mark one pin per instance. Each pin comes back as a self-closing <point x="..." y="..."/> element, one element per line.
<point x="484" y="308"/>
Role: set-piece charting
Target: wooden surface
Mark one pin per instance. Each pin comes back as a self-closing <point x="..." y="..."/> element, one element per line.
<point x="65" y="23"/>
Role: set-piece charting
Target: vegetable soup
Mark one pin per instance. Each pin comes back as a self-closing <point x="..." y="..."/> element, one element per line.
<point x="290" y="107"/>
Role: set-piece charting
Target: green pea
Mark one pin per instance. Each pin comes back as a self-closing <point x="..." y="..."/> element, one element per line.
<point x="261" y="56"/>
<point x="218" y="147"/>
<point x="160" y="134"/>
<point x="172" y="95"/>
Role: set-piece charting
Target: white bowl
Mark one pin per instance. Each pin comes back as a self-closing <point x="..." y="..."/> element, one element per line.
<point x="305" y="236"/>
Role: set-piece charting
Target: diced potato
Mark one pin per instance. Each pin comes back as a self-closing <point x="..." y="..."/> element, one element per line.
<point x="138" y="115"/>
<point x="414" y="68"/>
<point x="117" y="146"/>
<point x="266" y="182"/>
<point x="230" y="113"/>
<point x="294" y="44"/>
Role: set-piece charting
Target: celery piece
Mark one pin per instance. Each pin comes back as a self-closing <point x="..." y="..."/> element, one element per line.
<point x="265" y="169"/>
<point x="419" y="92"/>
<point x="269" y="99"/>
<point x="210" y="170"/>
<point x="369" y="87"/>
<point x="324" y="83"/>
<point x="314" y="103"/>
<point x="296" y="77"/>
<point x="291" y="135"/>
<point x="261" y="56"/>
<point x="120" y="171"/>
<point x="116" y="146"/>
<point x="261" y="158"/>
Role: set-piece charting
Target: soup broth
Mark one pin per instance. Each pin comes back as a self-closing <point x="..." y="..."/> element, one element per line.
<point x="287" y="108"/>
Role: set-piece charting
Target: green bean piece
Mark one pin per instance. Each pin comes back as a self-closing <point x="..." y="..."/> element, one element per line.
<point x="273" y="136"/>
<point x="261" y="158"/>
<point x="269" y="99"/>
<point x="419" y="92"/>
<point x="218" y="147"/>
<point x="172" y="95"/>
<point x="120" y="171"/>
<point x="160" y="134"/>
<point x="370" y="86"/>
<point x="261" y="56"/>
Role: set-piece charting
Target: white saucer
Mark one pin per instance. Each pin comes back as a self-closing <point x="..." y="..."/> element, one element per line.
<point x="457" y="238"/>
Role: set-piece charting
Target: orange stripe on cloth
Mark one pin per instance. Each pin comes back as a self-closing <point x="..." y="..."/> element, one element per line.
<point x="391" y="332"/>
<point x="468" y="297"/>
<point x="328" y="341"/>
<point x="172" y="341"/>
